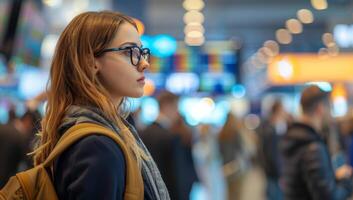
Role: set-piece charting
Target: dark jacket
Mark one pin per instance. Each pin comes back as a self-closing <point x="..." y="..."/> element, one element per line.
<point x="91" y="169"/>
<point x="103" y="164"/>
<point x="269" y="150"/>
<point x="161" y="143"/>
<point x="12" y="151"/>
<point x="307" y="171"/>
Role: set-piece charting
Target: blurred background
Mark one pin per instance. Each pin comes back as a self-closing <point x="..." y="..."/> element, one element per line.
<point x="226" y="59"/>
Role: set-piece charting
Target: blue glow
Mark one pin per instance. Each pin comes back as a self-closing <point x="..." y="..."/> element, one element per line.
<point x="2" y="68"/>
<point x="185" y="107"/>
<point x="158" y="79"/>
<point x="32" y="82"/>
<point x="220" y="82"/>
<point x="198" y="192"/>
<point x="197" y="111"/>
<point x="342" y="35"/>
<point x="340" y="107"/>
<point x="134" y="104"/>
<point x="221" y="112"/>
<point x="3" y="115"/>
<point x="146" y="41"/>
<point x="163" y="46"/>
<point x="149" y="110"/>
<point x="325" y="86"/>
<point x="191" y="121"/>
<point x="238" y="91"/>
<point x="229" y="57"/>
<point x="183" y="83"/>
<point x="185" y="103"/>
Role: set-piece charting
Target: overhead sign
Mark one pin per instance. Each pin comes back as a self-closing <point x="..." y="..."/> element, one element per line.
<point x="288" y="69"/>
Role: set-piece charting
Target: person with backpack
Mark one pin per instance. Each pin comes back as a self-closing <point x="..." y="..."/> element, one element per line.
<point x="87" y="148"/>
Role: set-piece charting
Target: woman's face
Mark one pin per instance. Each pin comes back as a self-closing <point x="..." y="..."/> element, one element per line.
<point x="114" y="68"/>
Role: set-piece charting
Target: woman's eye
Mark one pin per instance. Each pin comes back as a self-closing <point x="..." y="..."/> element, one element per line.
<point x="127" y="52"/>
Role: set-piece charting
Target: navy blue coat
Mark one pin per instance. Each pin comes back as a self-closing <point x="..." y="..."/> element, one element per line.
<point x="307" y="171"/>
<point x="93" y="168"/>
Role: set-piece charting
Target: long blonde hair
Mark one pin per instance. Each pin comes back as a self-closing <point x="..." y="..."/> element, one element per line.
<point x="73" y="81"/>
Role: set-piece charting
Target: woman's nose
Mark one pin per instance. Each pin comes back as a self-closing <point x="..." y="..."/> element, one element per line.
<point x="143" y="65"/>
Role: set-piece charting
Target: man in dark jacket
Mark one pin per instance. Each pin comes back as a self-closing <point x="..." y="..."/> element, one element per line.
<point x="307" y="170"/>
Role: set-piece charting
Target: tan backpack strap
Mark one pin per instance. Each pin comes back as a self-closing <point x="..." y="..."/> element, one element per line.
<point x="78" y="132"/>
<point x="134" y="181"/>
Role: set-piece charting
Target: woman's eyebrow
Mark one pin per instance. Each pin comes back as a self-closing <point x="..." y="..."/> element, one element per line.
<point x="130" y="43"/>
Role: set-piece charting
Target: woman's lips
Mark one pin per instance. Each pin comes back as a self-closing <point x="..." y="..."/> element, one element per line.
<point x="141" y="80"/>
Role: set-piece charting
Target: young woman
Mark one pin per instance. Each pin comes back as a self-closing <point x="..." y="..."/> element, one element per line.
<point x="99" y="60"/>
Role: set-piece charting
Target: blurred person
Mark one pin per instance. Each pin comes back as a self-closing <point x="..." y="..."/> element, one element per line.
<point x="269" y="133"/>
<point x="28" y="125"/>
<point x="98" y="62"/>
<point x="307" y="169"/>
<point x="185" y="169"/>
<point x="208" y="164"/>
<point x="346" y="137"/>
<point x="161" y="141"/>
<point x="12" y="114"/>
<point x="238" y="147"/>
<point x="332" y="138"/>
<point x="230" y="144"/>
<point x="16" y="141"/>
<point x="12" y="150"/>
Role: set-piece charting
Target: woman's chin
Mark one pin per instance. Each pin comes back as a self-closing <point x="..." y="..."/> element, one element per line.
<point x="137" y="94"/>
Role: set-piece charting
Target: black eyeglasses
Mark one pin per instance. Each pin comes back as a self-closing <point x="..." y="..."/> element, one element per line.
<point x="135" y="53"/>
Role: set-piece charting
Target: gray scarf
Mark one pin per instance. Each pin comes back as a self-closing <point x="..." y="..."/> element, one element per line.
<point x="150" y="173"/>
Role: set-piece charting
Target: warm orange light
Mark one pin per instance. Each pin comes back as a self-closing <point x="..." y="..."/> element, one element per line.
<point x="194" y="34"/>
<point x="195" y="41"/>
<point x="339" y="99"/>
<point x="273" y="46"/>
<point x="339" y="91"/>
<point x="319" y="4"/>
<point x="193" y="17"/>
<point x="140" y="26"/>
<point x="149" y="88"/>
<point x="193" y="5"/>
<point x="194" y="27"/>
<point x="327" y="39"/>
<point x="294" y="26"/>
<point x="283" y="36"/>
<point x="305" y="16"/>
<point x="309" y="67"/>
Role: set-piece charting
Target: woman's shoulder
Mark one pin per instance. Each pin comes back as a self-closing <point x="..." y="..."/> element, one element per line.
<point x="96" y="160"/>
<point x="92" y="153"/>
<point x="95" y="148"/>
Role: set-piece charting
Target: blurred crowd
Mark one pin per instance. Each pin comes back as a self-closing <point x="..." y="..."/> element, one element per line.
<point x="293" y="157"/>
